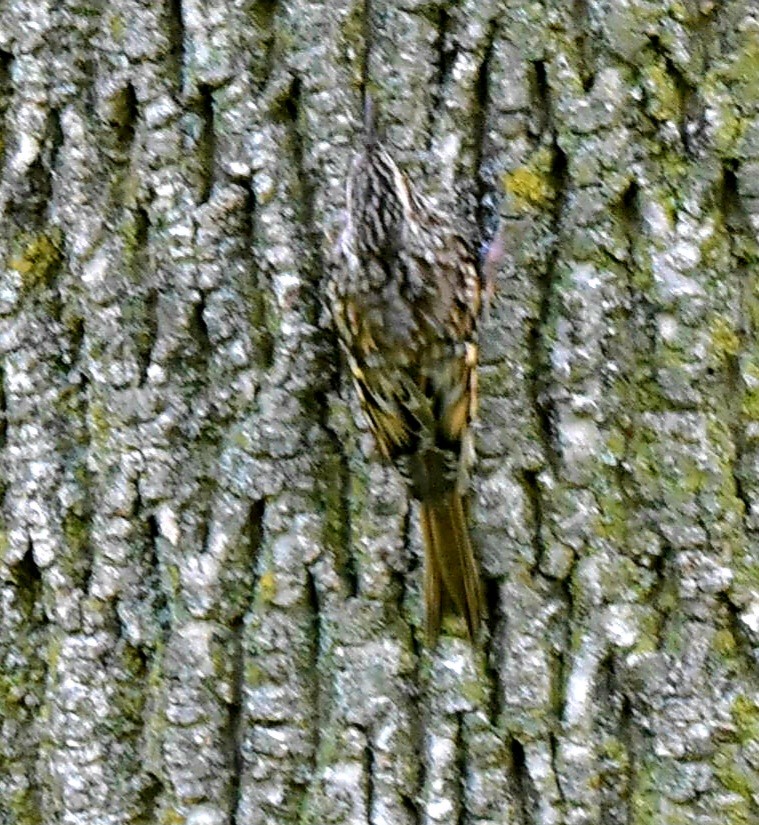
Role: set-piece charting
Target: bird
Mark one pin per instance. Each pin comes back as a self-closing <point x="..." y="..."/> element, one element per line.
<point x="406" y="297"/>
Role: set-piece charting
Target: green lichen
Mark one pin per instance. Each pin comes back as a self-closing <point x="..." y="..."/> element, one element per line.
<point x="745" y="713"/>
<point x="723" y="339"/>
<point x="54" y="652"/>
<point x="664" y="98"/>
<point x="648" y="636"/>
<point x="740" y="780"/>
<point x="265" y="322"/>
<point x="4" y="543"/>
<point x="715" y="245"/>
<point x="649" y="802"/>
<point x="171" y="816"/>
<point x="353" y="26"/>
<point x="123" y="187"/>
<point x="743" y="71"/>
<point x="38" y="261"/>
<point x="729" y="131"/>
<point x="734" y="812"/>
<point x="255" y="675"/>
<point x="85" y="11"/>
<point x="334" y="502"/>
<point x="751" y="304"/>
<point x="267" y="586"/>
<point x="25" y="807"/>
<point x="645" y="807"/>
<point x="117" y="26"/>
<point x="730" y="767"/>
<point x="174" y="577"/>
<point x="729" y="124"/>
<point x="724" y="642"/>
<point x="129" y="695"/>
<point x="615" y="751"/>
<point x="76" y="529"/>
<point x="733" y="778"/>
<point x="531" y="186"/>
<point x="100" y="426"/>
<point x="682" y="13"/>
<point x="156" y="674"/>
<point x="612" y="520"/>
<point x="667" y="598"/>
<point x="132" y="239"/>
<point x="750" y="401"/>
<point x="527" y="186"/>
<point x="77" y="561"/>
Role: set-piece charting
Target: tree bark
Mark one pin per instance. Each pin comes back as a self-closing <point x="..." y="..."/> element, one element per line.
<point x="211" y="608"/>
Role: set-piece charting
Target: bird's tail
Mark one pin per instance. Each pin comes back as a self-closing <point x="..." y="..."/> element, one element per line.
<point x="451" y="574"/>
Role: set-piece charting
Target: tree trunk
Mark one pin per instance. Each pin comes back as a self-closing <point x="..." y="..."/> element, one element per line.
<point x="211" y="586"/>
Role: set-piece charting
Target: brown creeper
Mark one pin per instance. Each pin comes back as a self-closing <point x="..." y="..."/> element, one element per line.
<point x="405" y="297"/>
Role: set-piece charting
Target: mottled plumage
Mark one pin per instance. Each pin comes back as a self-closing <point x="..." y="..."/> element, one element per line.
<point x="405" y="297"/>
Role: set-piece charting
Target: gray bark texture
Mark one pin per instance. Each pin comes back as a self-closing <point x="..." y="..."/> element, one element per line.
<point x="210" y="605"/>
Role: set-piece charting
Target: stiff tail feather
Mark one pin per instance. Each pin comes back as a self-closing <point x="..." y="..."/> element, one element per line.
<point x="451" y="575"/>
